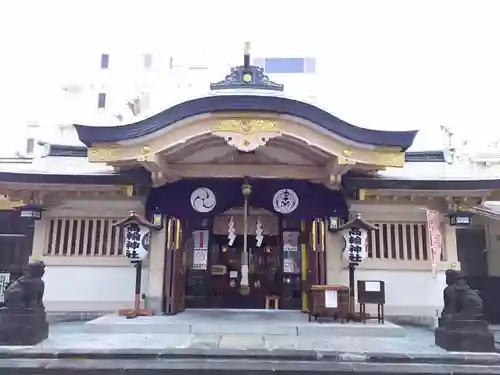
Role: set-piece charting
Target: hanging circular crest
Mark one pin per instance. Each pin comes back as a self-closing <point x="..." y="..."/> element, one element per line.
<point x="285" y="201"/>
<point x="203" y="200"/>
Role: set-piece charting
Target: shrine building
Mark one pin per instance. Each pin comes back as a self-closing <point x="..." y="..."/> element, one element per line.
<point x="243" y="176"/>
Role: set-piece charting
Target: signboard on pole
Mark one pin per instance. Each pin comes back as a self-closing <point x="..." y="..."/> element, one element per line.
<point x="435" y="238"/>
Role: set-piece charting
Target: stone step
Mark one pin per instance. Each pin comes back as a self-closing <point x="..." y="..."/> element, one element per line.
<point x="175" y="325"/>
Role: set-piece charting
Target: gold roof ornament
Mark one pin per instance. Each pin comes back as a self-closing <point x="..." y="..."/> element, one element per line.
<point x="247" y="76"/>
<point x="247" y="134"/>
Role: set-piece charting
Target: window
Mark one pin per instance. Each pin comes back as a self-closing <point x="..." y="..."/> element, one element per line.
<point x="84" y="237"/>
<point x="399" y="242"/>
<point x="287" y="64"/>
<point x="30" y="146"/>
<point x="104" y="61"/>
<point x="101" y="100"/>
<point x="148" y="60"/>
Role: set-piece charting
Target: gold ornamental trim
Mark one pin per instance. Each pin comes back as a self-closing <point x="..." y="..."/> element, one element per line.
<point x="102" y="154"/>
<point x="247" y="126"/>
<point x="247" y="134"/>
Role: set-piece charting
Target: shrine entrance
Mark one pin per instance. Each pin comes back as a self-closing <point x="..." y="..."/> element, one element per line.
<point x="235" y="243"/>
<point x="215" y="258"/>
<point x="264" y="273"/>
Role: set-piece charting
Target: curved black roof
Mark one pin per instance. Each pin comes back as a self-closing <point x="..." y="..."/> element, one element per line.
<point x="247" y="103"/>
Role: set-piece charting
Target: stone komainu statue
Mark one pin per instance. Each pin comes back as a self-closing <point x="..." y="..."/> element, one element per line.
<point x="460" y="301"/>
<point x="27" y="291"/>
<point x="462" y="327"/>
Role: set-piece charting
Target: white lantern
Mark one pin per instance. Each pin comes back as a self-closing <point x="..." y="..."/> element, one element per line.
<point x="355" y="244"/>
<point x="137" y="235"/>
<point x="136" y="242"/>
<point x="355" y="239"/>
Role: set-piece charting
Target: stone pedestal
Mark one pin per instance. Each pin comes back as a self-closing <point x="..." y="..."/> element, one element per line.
<point x="464" y="336"/>
<point x="23" y="326"/>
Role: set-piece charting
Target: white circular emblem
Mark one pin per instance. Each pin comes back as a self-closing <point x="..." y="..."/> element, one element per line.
<point x="203" y="200"/>
<point x="285" y="201"/>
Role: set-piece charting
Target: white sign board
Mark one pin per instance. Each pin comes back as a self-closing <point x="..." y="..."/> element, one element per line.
<point x="355" y="241"/>
<point x="136" y="242"/>
<point x="372" y="286"/>
<point x="4" y="280"/>
<point x="331" y="299"/>
<point x="200" y="259"/>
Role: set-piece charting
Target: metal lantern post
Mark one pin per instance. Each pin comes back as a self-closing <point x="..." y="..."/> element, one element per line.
<point x="355" y="249"/>
<point x="136" y="246"/>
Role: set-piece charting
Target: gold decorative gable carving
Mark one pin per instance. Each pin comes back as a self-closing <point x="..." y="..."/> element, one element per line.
<point x="247" y="134"/>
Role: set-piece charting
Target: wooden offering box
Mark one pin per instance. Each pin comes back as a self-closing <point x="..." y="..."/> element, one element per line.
<point x="329" y="301"/>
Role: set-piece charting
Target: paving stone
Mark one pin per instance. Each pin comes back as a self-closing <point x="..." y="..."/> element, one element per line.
<point x="370" y="329"/>
<point x="233" y="328"/>
<point x="70" y="335"/>
<point x="205" y="341"/>
<point x="241" y="342"/>
<point x="273" y="342"/>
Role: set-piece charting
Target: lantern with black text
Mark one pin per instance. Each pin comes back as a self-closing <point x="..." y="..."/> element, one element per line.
<point x="355" y="249"/>
<point x="355" y="239"/>
<point x="136" y="243"/>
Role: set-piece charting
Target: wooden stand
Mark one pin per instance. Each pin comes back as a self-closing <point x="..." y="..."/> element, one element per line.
<point x="274" y="301"/>
<point x="136" y="311"/>
<point x="365" y="316"/>
<point x="374" y="296"/>
<point x="317" y="305"/>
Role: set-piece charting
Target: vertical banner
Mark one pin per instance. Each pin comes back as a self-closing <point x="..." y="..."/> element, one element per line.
<point x="200" y="257"/>
<point x="435" y="238"/>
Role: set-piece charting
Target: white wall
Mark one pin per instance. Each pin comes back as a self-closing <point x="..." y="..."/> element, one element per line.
<point x="411" y="289"/>
<point x="412" y="293"/>
<point x="91" y="288"/>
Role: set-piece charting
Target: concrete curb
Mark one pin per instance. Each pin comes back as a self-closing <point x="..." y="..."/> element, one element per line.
<point x="20" y="353"/>
<point x="226" y="366"/>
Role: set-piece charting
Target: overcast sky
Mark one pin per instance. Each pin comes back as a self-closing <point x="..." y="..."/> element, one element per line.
<point x="394" y="64"/>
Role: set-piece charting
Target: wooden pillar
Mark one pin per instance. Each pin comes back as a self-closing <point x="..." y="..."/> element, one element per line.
<point x="156" y="269"/>
<point x="322" y="251"/>
<point x="304" y="250"/>
<point x="175" y="268"/>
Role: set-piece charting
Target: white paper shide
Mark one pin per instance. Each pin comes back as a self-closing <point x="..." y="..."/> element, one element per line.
<point x="231" y="231"/>
<point x="4" y="281"/>
<point x="259" y="233"/>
